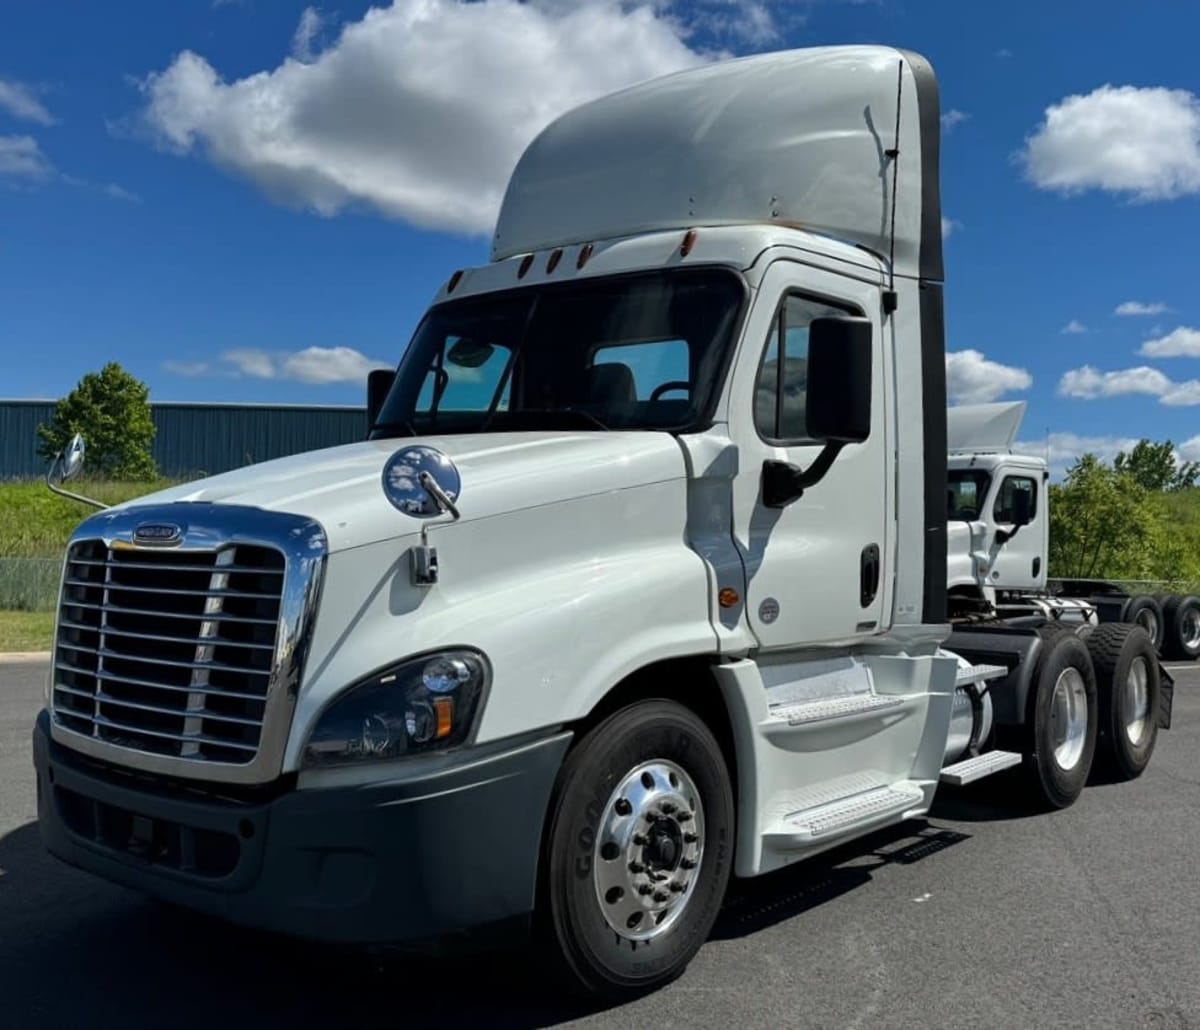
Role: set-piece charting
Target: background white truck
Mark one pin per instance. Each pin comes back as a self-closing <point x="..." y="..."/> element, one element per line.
<point x="998" y="509"/>
<point x="638" y="583"/>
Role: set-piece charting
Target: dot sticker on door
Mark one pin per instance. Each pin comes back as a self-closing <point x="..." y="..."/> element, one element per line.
<point x="768" y="611"/>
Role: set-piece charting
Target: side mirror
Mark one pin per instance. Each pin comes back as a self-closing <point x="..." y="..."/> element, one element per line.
<point x="379" y="382"/>
<point x="72" y="458"/>
<point x="837" y="404"/>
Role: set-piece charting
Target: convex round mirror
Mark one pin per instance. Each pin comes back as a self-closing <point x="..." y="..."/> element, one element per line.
<point x="403" y="487"/>
<point x="72" y="458"/>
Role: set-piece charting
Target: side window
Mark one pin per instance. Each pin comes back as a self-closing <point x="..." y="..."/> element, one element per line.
<point x="653" y="364"/>
<point x="1002" y="511"/>
<point x="464" y="377"/>
<point x="779" y="401"/>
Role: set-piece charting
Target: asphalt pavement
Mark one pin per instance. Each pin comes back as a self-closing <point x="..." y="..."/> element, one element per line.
<point x="984" y="915"/>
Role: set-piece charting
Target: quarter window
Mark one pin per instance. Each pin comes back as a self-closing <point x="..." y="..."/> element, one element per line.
<point x="1004" y="509"/>
<point x="779" y="401"/>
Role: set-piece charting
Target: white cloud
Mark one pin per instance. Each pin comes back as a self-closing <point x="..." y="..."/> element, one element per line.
<point x="1189" y="450"/>
<point x="1004" y="54"/>
<point x="1063" y="449"/>
<point x="1135" y="307"/>
<point x="251" y="362"/>
<point x="21" y="102"/>
<point x="419" y="110"/>
<point x="952" y="118"/>
<point x="1087" y="383"/>
<point x="1180" y="343"/>
<point x="187" y="368"/>
<point x="1074" y="326"/>
<point x="972" y="378"/>
<point x="949" y="225"/>
<point x="319" y="365"/>
<point x="22" y="158"/>
<point x="1122" y="139"/>
<point x="306" y="34"/>
<point x="329" y="365"/>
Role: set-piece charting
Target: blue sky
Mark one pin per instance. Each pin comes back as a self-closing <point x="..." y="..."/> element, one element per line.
<point x="253" y="200"/>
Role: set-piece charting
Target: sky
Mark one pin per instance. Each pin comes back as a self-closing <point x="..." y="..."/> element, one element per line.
<point x="255" y="200"/>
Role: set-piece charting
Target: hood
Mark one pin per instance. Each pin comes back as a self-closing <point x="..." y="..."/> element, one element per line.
<point x="341" y="487"/>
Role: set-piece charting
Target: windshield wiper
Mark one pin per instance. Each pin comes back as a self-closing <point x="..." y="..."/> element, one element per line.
<point x="392" y="424"/>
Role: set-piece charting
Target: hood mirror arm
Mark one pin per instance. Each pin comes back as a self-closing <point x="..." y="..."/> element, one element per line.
<point x="58" y="464"/>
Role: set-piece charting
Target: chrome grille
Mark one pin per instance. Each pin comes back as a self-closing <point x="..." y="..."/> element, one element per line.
<point x="170" y="652"/>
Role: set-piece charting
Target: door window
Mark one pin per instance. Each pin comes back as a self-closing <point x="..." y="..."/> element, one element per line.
<point x="1004" y="510"/>
<point x="779" y="401"/>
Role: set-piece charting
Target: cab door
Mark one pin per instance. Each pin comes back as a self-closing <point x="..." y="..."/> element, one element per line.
<point x="818" y="570"/>
<point x="1018" y="553"/>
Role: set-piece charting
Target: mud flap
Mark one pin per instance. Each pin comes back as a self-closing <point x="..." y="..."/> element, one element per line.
<point x="1166" y="698"/>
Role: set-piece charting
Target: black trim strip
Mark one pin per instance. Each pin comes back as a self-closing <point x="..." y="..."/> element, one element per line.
<point x="929" y="113"/>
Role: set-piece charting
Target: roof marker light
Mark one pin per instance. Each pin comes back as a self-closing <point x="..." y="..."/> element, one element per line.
<point x="689" y="241"/>
<point x="585" y="252"/>
<point x="526" y="264"/>
<point x="454" y="280"/>
<point x="553" y="260"/>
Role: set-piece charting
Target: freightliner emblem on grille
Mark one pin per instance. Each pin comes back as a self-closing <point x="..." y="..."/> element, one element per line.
<point x="157" y="534"/>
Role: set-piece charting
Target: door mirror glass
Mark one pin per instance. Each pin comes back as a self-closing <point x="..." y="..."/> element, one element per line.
<point x="838" y="394"/>
<point x="1021" y="513"/>
<point x="379" y="382"/>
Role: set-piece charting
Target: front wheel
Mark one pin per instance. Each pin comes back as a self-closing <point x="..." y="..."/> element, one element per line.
<point x="638" y="850"/>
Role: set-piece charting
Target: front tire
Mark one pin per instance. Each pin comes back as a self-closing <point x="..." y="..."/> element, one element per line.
<point x="638" y="850"/>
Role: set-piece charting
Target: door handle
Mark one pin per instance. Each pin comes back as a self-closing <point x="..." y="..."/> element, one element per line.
<point x="868" y="574"/>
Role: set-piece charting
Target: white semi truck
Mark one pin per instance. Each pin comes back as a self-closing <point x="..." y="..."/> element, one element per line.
<point x="998" y="508"/>
<point x="638" y="583"/>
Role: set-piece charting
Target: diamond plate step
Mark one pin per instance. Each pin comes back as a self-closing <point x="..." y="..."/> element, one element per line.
<point x="833" y="708"/>
<point x="971" y="769"/>
<point x="979" y="673"/>
<point x="815" y="824"/>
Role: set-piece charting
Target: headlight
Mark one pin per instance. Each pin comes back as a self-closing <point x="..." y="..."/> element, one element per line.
<point x="420" y="705"/>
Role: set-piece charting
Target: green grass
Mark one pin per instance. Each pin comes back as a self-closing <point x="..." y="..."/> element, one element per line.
<point x="26" y="631"/>
<point x="34" y="523"/>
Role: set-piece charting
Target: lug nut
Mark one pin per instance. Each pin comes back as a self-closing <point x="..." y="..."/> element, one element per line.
<point x="684" y="817"/>
<point x="667" y="808"/>
<point x="690" y="838"/>
<point x="661" y="896"/>
<point x="641" y="840"/>
<point x="636" y="867"/>
<point x="687" y="863"/>
<point x="676" y="886"/>
<point x="623" y="806"/>
<point x="645" y="888"/>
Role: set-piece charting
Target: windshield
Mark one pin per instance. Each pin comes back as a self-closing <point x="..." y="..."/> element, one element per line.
<point x="643" y="351"/>
<point x="967" y="490"/>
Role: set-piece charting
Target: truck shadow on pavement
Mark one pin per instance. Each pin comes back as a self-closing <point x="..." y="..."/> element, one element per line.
<point x="77" y="951"/>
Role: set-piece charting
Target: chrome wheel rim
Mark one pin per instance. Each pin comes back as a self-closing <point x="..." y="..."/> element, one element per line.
<point x="1149" y="622"/>
<point x="1136" y="700"/>
<point x="648" y="850"/>
<point x="1068" y="718"/>
<point x="1191" y="629"/>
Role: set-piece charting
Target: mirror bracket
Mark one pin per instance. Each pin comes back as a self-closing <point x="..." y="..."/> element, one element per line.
<point x="784" y="483"/>
<point x="67" y="463"/>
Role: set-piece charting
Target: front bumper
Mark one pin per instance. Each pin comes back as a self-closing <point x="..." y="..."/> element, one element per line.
<point x="398" y="862"/>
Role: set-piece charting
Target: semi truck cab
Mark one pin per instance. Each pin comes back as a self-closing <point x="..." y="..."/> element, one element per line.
<point x="637" y="583"/>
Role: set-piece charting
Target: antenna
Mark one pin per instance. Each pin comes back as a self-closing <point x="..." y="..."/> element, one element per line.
<point x="889" y="298"/>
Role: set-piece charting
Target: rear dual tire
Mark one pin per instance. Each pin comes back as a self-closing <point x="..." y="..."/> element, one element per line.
<point x="1129" y="693"/>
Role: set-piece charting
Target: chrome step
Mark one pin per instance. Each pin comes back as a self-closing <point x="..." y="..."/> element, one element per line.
<point x="833" y="708"/>
<point x="828" y="820"/>
<point x="979" y="673"/>
<point x="971" y="769"/>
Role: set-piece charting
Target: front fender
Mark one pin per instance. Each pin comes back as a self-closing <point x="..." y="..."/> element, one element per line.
<point x="565" y="600"/>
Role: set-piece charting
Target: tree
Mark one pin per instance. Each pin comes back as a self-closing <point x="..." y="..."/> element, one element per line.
<point x="111" y="408"/>
<point x="1103" y="523"/>
<point x="1152" y="466"/>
